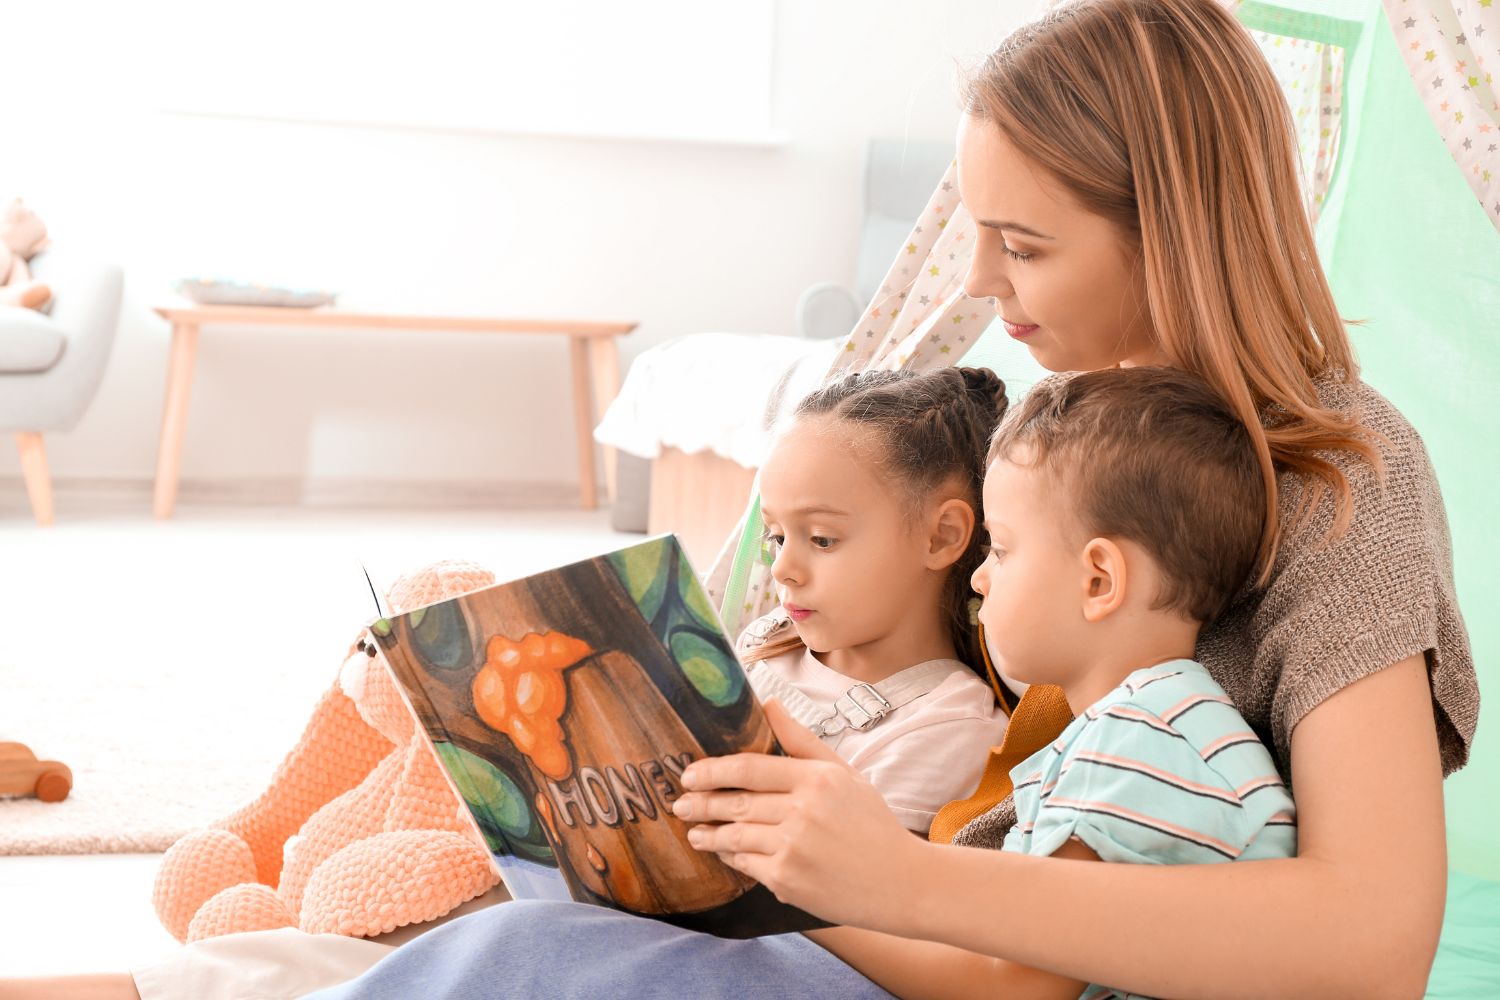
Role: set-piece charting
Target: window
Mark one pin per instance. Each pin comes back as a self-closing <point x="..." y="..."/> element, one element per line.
<point x="652" y="68"/>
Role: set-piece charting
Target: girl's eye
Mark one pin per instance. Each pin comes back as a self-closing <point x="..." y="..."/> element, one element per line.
<point x="1015" y="254"/>
<point x="997" y="553"/>
<point x="770" y="548"/>
<point x="822" y="541"/>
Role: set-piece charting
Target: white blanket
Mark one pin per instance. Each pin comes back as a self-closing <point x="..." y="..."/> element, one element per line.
<point x="727" y="393"/>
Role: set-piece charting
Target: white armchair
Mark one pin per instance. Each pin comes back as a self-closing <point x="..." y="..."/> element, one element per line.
<point x="51" y="363"/>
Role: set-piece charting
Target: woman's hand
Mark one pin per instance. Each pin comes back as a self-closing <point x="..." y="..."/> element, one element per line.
<point x="808" y="826"/>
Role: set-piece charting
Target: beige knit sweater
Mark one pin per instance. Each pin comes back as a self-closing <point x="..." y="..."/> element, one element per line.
<point x="1336" y="610"/>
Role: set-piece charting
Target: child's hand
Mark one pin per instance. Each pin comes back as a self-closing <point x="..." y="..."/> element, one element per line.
<point x="809" y="827"/>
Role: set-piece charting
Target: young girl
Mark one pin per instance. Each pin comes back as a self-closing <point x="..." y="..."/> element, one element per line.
<point x="870" y="503"/>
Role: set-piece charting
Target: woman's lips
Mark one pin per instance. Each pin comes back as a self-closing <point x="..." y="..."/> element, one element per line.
<point x="798" y="614"/>
<point x="1019" y="330"/>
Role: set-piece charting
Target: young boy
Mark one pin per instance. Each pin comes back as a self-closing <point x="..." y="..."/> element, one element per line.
<point x="1119" y="510"/>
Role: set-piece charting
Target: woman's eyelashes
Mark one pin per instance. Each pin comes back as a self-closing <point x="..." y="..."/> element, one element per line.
<point x="1018" y="255"/>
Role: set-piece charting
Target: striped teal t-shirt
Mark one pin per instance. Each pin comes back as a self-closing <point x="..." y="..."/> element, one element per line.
<point x="1162" y="770"/>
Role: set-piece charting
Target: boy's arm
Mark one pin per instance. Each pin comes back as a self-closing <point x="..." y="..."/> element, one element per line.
<point x="929" y="970"/>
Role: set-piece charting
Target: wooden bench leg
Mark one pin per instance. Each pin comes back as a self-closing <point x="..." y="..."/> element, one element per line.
<point x="38" y="480"/>
<point x="588" y="485"/>
<point x="606" y="362"/>
<point x="174" y="417"/>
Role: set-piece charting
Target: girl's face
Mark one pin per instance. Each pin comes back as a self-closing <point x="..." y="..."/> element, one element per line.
<point x="850" y="564"/>
<point x="1066" y="282"/>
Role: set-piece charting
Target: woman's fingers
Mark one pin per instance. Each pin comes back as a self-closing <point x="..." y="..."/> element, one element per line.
<point x="737" y="838"/>
<point x="732" y="807"/>
<point x="761" y="867"/>
<point x="754" y="772"/>
<point x="758" y="772"/>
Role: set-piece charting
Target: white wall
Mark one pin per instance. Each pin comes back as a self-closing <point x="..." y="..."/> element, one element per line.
<point x="680" y="237"/>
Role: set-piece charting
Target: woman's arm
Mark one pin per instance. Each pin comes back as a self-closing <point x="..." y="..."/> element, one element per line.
<point x="907" y="967"/>
<point x="1356" y="913"/>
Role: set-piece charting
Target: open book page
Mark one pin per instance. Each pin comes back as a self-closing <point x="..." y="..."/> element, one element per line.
<point x="564" y="708"/>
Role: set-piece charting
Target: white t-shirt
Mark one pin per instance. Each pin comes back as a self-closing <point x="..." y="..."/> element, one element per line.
<point x="922" y="755"/>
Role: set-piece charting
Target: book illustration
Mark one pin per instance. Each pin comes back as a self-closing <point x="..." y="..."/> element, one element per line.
<point x="566" y="706"/>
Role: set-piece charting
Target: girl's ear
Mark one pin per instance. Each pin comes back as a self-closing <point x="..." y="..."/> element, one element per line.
<point x="952" y="525"/>
<point x="1104" y="579"/>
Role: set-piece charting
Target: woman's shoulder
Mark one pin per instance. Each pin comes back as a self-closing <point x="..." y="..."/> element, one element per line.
<point x="1399" y="487"/>
<point x="1359" y="583"/>
<point x="1392" y="434"/>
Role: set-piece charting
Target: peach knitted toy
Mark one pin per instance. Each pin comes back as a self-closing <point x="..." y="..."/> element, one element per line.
<point x="359" y="832"/>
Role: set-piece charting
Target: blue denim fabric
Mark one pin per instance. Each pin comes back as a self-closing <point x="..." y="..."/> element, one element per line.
<point x="530" y="949"/>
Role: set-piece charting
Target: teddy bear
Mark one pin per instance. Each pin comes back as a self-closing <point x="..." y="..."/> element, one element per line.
<point x="359" y="832"/>
<point x="22" y="236"/>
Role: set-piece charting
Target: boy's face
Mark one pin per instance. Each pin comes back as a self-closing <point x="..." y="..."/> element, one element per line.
<point x="847" y="563"/>
<point x="1033" y="578"/>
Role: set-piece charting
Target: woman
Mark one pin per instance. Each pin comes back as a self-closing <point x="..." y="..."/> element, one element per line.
<point x="1131" y="165"/>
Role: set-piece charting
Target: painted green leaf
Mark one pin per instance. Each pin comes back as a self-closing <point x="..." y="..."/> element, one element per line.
<point x="693" y="597"/>
<point x="498" y="804"/>
<point x="440" y="636"/>
<point x="706" y="669"/>
<point x="643" y="570"/>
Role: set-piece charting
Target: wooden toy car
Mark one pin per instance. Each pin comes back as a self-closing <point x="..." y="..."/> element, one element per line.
<point x="22" y="774"/>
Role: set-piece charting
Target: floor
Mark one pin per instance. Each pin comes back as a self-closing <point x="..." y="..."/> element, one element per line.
<point x="221" y="569"/>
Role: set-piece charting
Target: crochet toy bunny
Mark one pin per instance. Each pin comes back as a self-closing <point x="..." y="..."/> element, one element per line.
<point x="22" y="236"/>
<point x="358" y="834"/>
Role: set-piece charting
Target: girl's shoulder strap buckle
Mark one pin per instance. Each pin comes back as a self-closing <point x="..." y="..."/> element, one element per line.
<point x="862" y="707"/>
<point x="765" y="628"/>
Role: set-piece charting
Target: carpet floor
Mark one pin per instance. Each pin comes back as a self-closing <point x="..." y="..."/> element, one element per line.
<point x="172" y="665"/>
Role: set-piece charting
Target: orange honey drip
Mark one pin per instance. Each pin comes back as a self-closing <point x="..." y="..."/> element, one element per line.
<point x="520" y="691"/>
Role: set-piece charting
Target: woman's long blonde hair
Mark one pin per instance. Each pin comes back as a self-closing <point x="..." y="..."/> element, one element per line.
<point x="1163" y="116"/>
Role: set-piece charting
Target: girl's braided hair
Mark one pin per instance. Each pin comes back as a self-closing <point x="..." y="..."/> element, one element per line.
<point x="928" y="431"/>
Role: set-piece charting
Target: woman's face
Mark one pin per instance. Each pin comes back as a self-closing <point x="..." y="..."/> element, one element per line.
<point x="1067" y="282"/>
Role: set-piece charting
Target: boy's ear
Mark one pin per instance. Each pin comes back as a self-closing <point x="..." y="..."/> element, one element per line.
<point x="1104" y="579"/>
<point x="951" y="527"/>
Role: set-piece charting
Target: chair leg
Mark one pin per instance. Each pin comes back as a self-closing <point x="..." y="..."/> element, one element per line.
<point x="38" y="481"/>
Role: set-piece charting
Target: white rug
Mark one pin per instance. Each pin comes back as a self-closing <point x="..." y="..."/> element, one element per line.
<point x="172" y="666"/>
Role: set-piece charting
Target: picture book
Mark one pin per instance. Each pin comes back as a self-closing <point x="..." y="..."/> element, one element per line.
<point x="565" y="706"/>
